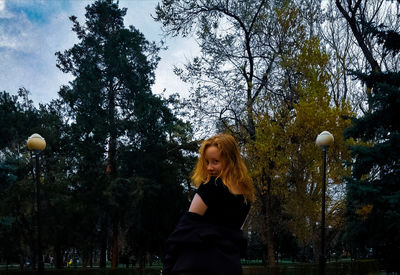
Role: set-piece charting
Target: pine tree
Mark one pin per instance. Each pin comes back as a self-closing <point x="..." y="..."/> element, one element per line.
<point x="373" y="190"/>
<point x="120" y="132"/>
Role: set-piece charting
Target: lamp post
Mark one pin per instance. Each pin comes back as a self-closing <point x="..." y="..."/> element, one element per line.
<point x="323" y="140"/>
<point x="37" y="144"/>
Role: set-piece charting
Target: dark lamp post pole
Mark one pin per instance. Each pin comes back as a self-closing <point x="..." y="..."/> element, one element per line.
<point x="36" y="144"/>
<point x="323" y="140"/>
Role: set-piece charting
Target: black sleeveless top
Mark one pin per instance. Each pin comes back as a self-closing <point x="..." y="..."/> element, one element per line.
<point x="223" y="207"/>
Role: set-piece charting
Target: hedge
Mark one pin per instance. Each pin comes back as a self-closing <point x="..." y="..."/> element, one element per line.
<point x="339" y="268"/>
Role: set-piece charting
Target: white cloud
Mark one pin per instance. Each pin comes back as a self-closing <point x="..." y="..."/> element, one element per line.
<point x="27" y="47"/>
<point x="27" y="51"/>
<point x="18" y="33"/>
<point x="4" y="13"/>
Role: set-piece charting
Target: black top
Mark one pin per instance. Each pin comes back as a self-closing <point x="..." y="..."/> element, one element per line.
<point x="223" y="207"/>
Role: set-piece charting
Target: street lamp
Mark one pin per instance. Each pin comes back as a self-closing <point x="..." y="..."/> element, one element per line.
<point x="37" y="144"/>
<point x="323" y="140"/>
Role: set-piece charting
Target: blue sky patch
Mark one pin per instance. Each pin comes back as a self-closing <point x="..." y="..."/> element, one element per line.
<point x="37" y="11"/>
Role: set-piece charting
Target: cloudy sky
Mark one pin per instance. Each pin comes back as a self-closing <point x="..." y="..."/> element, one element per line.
<point x="31" y="31"/>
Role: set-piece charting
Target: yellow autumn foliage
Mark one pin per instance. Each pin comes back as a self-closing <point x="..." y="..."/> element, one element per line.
<point x="285" y="147"/>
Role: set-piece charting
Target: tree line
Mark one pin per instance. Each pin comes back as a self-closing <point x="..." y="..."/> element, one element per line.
<point x="277" y="73"/>
<point x="272" y="73"/>
<point x="118" y="158"/>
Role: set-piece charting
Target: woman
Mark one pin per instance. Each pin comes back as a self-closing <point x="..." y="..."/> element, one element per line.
<point x="208" y="239"/>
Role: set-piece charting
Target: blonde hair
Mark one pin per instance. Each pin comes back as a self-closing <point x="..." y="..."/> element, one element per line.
<point x="234" y="171"/>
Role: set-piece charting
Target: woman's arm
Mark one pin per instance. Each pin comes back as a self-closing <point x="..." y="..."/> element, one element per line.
<point x="198" y="206"/>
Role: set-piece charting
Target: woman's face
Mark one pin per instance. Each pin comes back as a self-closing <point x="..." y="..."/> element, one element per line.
<point x="213" y="161"/>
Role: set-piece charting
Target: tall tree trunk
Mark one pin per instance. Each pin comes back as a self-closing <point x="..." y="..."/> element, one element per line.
<point x="142" y="261"/>
<point x="316" y="246"/>
<point x="58" y="256"/>
<point x="85" y="259"/>
<point x="103" y="244"/>
<point x="103" y="249"/>
<point x="21" y="262"/>
<point x="268" y="221"/>
<point x="21" y="255"/>
<point x="115" y="246"/>
<point x="91" y="258"/>
<point x="111" y="169"/>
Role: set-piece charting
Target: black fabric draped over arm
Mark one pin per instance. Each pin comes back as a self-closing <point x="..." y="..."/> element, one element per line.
<point x="200" y="247"/>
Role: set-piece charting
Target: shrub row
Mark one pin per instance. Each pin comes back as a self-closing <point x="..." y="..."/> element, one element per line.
<point x="86" y="271"/>
<point x="340" y="268"/>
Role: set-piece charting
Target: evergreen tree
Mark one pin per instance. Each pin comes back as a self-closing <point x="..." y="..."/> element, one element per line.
<point x="120" y="132"/>
<point x="8" y="238"/>
<point x="18" y="117"/>
<point x="18" y="120"/>
<point x="59" y="207"/>
<point x="373" y="190"/>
